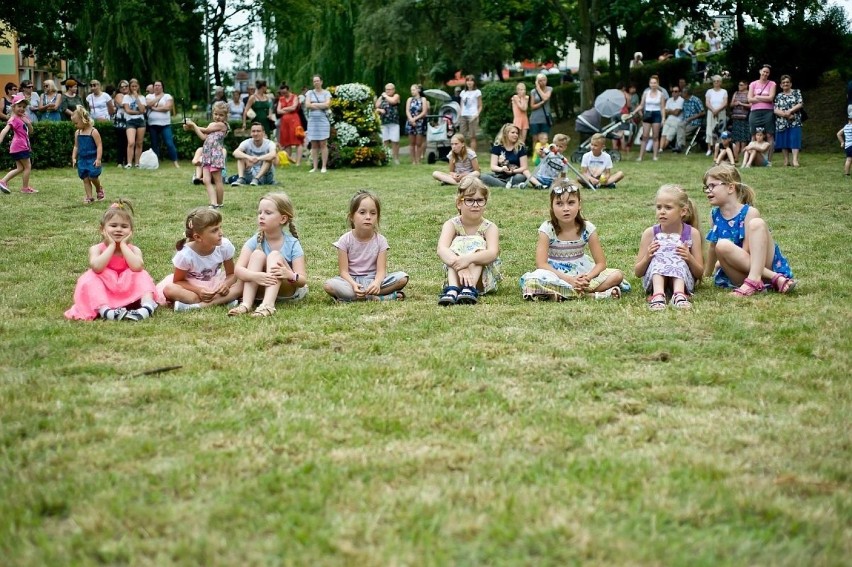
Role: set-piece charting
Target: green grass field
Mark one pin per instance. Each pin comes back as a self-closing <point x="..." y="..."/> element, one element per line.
<point x="401" y="433"/>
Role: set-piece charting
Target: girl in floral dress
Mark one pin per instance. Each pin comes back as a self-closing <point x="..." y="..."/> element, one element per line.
<point x="212" y="153"/>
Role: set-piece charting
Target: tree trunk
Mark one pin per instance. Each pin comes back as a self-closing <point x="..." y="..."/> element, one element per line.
<point x="588" y="11"/>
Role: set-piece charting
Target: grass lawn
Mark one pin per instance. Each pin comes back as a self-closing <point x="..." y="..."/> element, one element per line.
<point x="401" y="433"/>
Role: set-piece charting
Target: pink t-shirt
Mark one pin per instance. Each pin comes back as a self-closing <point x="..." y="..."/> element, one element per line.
<point x="363" y="256"/>
<point x="755" y="88"/>
<point x="20" y="135"/>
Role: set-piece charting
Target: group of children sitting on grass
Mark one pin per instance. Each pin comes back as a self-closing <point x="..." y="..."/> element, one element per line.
<point x="548" y="158"/>
<point x="569" y="260"/>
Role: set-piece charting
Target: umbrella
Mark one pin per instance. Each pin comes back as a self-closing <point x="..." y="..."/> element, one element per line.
<point x="438" y="93"/>
<point x="610" y="102"/>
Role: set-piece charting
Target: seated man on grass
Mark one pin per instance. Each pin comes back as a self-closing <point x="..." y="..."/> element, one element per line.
<point x="256" y="157"/>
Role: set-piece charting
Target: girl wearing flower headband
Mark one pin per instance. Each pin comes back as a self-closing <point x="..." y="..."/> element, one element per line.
<point x="563" y="271"/>
<point x="116" y="285"/>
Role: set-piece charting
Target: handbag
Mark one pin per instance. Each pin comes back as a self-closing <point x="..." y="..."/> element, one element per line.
<point x="548" y="117"/>
<point x="803" y="114"/>
<point x="251" y="114"/>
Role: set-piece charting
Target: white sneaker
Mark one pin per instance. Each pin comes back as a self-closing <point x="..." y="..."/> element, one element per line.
<point x="509" y="183"/>
<point x="254" y="182"/>
<point x="128" y="166"/>
<point x="709" y="153"/>
<point x="180" y="306"/>
<point x="313" y="170"/>
<point x="323" y="170"/>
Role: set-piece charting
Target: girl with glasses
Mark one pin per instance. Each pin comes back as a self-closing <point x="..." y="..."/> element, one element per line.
<point x="563" y="270"/>
<point x="742" y="250"/>
<point x="469" y="247"/>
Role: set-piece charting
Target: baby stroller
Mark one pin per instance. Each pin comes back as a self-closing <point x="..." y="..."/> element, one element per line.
<point x="608" y="104"/>
<point x="442" y="126"/>
<point x="720" y="127"/>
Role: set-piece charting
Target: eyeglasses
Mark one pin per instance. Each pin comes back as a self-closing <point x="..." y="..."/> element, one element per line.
<point x="711" y="186"/>
<point x="562" y="189"/>
<point x="475" y="202"/>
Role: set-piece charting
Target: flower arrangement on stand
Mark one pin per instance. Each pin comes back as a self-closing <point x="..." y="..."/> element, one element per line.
<point x="355" y="129"/>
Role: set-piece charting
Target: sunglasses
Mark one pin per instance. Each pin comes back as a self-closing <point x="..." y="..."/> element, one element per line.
<point x="93" y="84"/>
<point x="563" y="189"/>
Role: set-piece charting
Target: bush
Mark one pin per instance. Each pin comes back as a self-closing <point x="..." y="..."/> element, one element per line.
<point x="355" y="140"/>
<point x="497" y="103"/>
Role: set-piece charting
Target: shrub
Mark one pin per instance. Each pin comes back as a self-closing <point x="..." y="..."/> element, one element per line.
<point x="355" y="128"/>
<point x="497" y="102"/>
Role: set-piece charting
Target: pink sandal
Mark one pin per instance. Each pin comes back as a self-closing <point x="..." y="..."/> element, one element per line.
<point x="783" y="284"/>
<point x="749" y="288"/>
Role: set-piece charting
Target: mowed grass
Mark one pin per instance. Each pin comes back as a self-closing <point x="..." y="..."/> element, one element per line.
<point x="509" y="433"/>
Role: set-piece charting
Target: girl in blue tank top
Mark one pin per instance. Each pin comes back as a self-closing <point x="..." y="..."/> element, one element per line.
<point x="740" y="240"/>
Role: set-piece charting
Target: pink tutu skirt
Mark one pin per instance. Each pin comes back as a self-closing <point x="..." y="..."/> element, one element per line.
<point x="111" y="289"/>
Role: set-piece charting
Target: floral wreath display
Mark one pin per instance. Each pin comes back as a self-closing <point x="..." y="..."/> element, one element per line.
<point x="355" y="140"/>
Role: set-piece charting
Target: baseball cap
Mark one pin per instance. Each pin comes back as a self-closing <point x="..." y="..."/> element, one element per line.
<point x="20" y="97"/>
<point x="726" y="135"/>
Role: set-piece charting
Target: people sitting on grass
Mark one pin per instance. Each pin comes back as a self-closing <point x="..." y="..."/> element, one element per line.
<point x="463" y="162"/>
<point x="563" y="271"/>
<point x="508" y="166"/>
<point x="723" y="151"/>
<point x="596" y="166"/>
<point x="469" y="247"/>
<point x="362" y="257"/>
<point x="116" y="286"/>
<point x="203" y="265"/>
<point x="272" y="261"/>
<point x="742" y="250"/>
<point x="756" y="153"/>
<point x="553" y="163"/>
<point x="256" y="157"/>
<point x="671" y="253"/>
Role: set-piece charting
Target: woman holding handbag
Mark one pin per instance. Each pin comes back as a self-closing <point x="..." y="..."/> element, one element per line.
<point x="260" y="104"/>
<point x="541" y="118"/>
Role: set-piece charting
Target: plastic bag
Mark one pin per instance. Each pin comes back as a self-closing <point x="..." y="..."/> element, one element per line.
<point x="283" y="158"/>
<point x="148" y="160"/>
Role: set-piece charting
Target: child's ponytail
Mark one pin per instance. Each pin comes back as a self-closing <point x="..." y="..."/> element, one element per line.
<point x="196" y="222"/>
<point x="727" y="173"/>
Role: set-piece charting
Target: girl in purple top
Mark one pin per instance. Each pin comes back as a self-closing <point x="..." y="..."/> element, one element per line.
<point x="362" y="256"/>
<point x="20" y="147"/>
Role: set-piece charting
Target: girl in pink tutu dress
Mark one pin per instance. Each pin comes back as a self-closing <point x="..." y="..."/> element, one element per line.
<point x="115" y="286"/>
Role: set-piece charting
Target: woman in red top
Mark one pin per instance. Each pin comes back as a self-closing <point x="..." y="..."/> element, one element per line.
<point x="288" y="110"/>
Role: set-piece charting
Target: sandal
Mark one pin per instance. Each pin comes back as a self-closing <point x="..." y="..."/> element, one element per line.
<point x="749" y="288"/>
<point x="88" y="201"/>
<point x="264" y="310"/>
<point x="783" y="284"/>
<point x="657" y="302"/>
<point x="468" y="296"/>
<point x="100" y="194"/>
<point x="680" y="301"/>
<point x="449" y="296"/>
<point x="611" y="293"/>
<point x="240" y="309"/>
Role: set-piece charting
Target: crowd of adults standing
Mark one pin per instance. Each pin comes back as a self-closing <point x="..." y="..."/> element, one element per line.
<point x="773" y="109"/>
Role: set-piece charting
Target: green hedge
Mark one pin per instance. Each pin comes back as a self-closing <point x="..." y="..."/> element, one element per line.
<point x="53" y="143"/>
<point x="497" y="103"/>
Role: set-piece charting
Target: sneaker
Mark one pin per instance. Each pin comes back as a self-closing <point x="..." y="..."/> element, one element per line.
<point x="238" y="182"/>
<point x="28" y="190"/>
<point x="181" y="306"/>
<point x="323" y="170"/>
<point x="522" y="185"/>
<point x="509" y="183"/>
<point x="709" y="153"/>
<point x="4" y="187"/>
<point x="254" y="183"/>
<point x="313" y="170"/>
<point x="128" y="166"/>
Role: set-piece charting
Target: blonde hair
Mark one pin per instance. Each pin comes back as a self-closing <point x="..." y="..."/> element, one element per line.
<point x="121" y="208"/>
<point x="356" y="201"/>
<point x="284" y="206"/>
<point x="81" y="114"/>
<point x="683" y="201"/>
<point x="49" y="86"/>
<point x="727" y="173"/>
<point x="502" y="139"/>
<point x="598" y="138"/>
<point x="453" y="157"/>
<point x="521" y="85"/>
<point x="220" y="106"/>
<point x="198" y="219"/>
<point x="561" y="139"/>
<point x="469" y="187"/>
